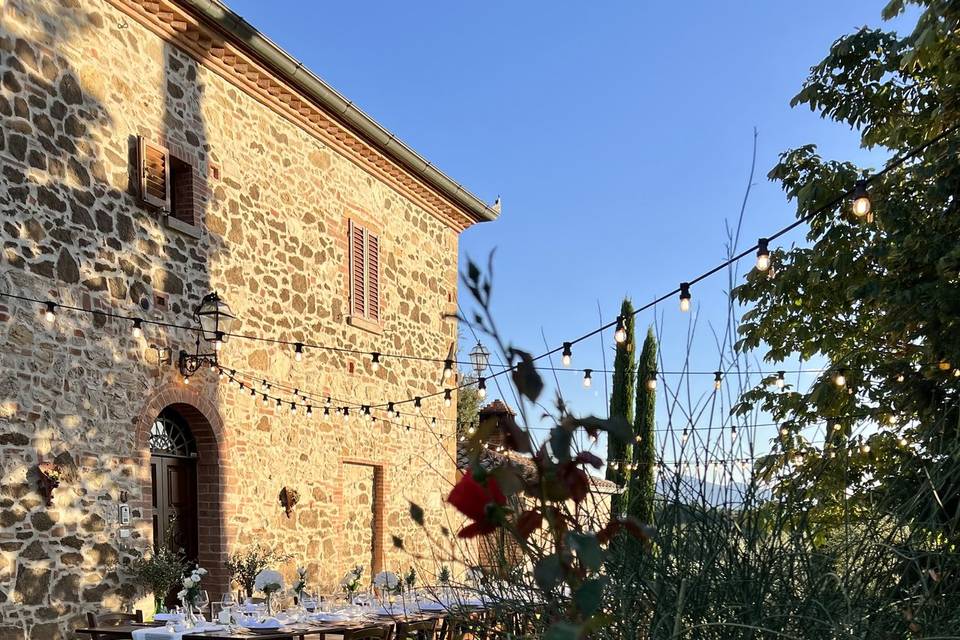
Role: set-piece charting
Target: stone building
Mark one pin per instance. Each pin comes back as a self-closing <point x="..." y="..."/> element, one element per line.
<point x="152" y="152"/>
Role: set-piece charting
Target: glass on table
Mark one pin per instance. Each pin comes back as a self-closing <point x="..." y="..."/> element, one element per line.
<point x="203" y="601"/>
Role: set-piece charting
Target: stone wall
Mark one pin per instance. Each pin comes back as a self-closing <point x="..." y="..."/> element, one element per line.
<point x="79" y="81"/>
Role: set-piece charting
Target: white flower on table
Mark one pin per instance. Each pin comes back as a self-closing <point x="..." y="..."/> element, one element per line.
<point x="386" y="581"/>
<point x="268" y="581"/>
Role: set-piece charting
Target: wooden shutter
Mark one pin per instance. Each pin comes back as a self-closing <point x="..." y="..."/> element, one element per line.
<point x="373" y="277"/>
<point x="154" y="174"/>
<point x="358" y="298"/>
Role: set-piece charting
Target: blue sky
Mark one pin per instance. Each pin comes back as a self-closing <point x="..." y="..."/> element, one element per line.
<point x="617" y="134"/>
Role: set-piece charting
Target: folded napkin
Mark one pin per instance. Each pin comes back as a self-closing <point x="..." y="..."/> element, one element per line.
<point x="330" y="617"/>
<point x="269" y="623"/>
<point x="164" y="617"/>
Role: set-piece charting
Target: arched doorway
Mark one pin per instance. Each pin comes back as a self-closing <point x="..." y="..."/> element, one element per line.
<point x="211" y="477"/>
<point x="173" y="475"/>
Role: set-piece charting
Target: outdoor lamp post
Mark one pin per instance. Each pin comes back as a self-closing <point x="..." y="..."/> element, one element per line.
<point x="479" y="358"/>
<point x="214" y="322"/>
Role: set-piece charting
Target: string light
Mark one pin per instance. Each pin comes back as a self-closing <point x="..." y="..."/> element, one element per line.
<point x="652" y="381"/>
<point x="587" y="378"/>
<point x="685" y="296"/>
<point x="763" y="254"/>
<point x="865" y="448"/>
<point x="482" y="388"/>
<point x="447" y="369"/>
<point x="375" y="361"/>
<point x="471" y="430"/>
<point x="346" y="414"/>
<point x="266" y="399"/>
<point x="892" y="419"/>
<point x="902" y="441"/>
<point x="51" y="312"/>
<point x="293" y="407"/>
<point x="309" y="411"/>
<point x="780" y="379"/>
<point x="253" y="392"/>
<point x="837" y="426"/>
<point x="417" y="403"/>
<point x="390" y="407"/>
<point x="684" y="436"/>
<point x="861" y="199"/>
<point x="186" y="379"/>
<point x="620" y="335"/>
<point x="717" y="379"/>
<point x="784" y="431"/>
<point x="327" y="402"/>
<point x="944" y="365"/>
<point x="840" y="377"/>
<point x="447" y="397"/>
<point x="279" y="403"/>
<point x="298" y="351"/>
<point x="567" y="355"/>
<point x="137" y="328"/>
<point x="433" y="421"/>
<point x="264" y="386"/>
<point x="733" y="434"/>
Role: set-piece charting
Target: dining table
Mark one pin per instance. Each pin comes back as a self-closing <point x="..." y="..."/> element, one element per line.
<point x="287" y="632"/>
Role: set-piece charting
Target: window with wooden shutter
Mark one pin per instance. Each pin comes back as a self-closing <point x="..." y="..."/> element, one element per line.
<point x="364" y="273"/>
<point x="154" y="174"/>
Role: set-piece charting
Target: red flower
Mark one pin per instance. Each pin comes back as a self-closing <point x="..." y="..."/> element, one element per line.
<point x="472" y="499"/>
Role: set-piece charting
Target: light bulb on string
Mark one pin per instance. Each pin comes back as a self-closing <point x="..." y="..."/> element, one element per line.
<point x="763" y="254"/>
<point x="326" y="411"/>
<point x="892" y="419"/>
<point x="944" y="365"/>
<point x="471" y="430"/>
<point x="784" y="431"/>
<point x="309" y="411"/>
<point x="447" y="397"/>
<point x="861" y="199"/>
<point x="837" y="426"/>
<point x="293" y="407"/>
<point x="865" y="448"/>
<point x="717" y="379"/>
<point x="781" y="381"/>
<point x="390" y="408"/>
<point x="279" y="403"/>
<point x="447" y="369"/>
<point x="346" y="414"/>
<point x="253" y="392"/>
<point x="266" y="399"/>
<point x="685" y="296"/>
<point x="218" y="341"/>
<point x="902" y="441"/>
<point x="328" y="401"/>
<point x="264" y="386"/>
<point x="587" y="378"/>
<point x="684" y="436"/>
<point x="51" y="312"/>
<point x="900" y="377"/>
<point x="652" y="381"/>
<point x="567" y="354"/>
<point x="482" y="388"/>
<point x="213" y="366"/>
<point x="417" y="403"/>
<point x="620" y="335"/>
<point x="433" y="421"/>
<point x="733" y="434"/>
<point x="298" y="351"/>
<point x="137" y="328"/>
<point x="186" y="379"/>
<point x="840" y="377"/>
<point x="221" y="374"/>
<point x="374" y="361"/>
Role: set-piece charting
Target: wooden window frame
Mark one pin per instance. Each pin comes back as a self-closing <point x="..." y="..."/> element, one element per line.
<point x="144" y="147"/>
<point x="368" y="312"/>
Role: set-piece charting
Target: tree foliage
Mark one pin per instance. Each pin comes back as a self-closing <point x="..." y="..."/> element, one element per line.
<point x="643" y="479"/>
<point x="878" y="300"/>
<point x="621" y="401"/>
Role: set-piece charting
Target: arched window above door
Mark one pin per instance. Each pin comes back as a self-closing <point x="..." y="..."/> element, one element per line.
<point x="170" y="435"/>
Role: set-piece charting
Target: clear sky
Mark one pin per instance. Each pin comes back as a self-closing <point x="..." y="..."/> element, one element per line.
<point x="618" y="135"/>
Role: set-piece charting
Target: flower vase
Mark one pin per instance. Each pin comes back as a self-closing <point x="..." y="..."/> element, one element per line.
<point x="269" y="604"/>
<point x="190" y="615"/>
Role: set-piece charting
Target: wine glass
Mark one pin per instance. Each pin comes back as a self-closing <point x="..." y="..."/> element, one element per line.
<point x="203" y="601"/>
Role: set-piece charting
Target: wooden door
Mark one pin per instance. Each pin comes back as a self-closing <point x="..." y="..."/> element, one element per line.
<point x="175" y="503"/>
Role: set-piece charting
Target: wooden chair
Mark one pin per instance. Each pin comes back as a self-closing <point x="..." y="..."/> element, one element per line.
<point x="111" y="620"/>
<point x="421" y="630"/>
<point x="369" y="633"/>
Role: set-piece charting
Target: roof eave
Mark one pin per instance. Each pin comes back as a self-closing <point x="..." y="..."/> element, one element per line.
<point x="341" y="108"/>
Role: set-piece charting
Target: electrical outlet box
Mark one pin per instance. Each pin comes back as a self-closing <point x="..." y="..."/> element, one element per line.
<point x="124" y="514"/>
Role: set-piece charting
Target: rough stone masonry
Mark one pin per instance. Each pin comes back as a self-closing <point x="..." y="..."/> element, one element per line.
<point x="275" y="183"/>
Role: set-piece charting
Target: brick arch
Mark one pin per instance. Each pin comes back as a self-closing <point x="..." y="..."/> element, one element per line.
<point x="206" y="425"/>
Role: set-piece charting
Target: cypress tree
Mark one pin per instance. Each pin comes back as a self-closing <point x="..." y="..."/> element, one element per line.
<point x="621" y="404"/>
<point x="643" y="480"/>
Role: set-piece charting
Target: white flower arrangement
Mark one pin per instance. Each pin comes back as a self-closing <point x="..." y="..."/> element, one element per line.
<point x="268" y="581"/>
<point x="351" y="580"/>
<point x="191" y="586"/>
<point x="386" y="581"/>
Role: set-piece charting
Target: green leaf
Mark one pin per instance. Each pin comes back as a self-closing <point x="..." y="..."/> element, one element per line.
<point x="548" y="572"/>
<point x="588" y="549"/>
<point x="562" y="631"/>
<point x="526" y="378"/>
<point x="589" y="596"/>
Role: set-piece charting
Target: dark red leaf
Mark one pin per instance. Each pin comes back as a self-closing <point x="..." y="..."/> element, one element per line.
<point x="528" y="522"/>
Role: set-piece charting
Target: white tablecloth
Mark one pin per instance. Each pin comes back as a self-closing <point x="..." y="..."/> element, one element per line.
<point x="161" y="633"/>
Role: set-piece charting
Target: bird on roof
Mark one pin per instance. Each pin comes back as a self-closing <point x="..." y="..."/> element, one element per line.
<point x="496" y="205"/>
